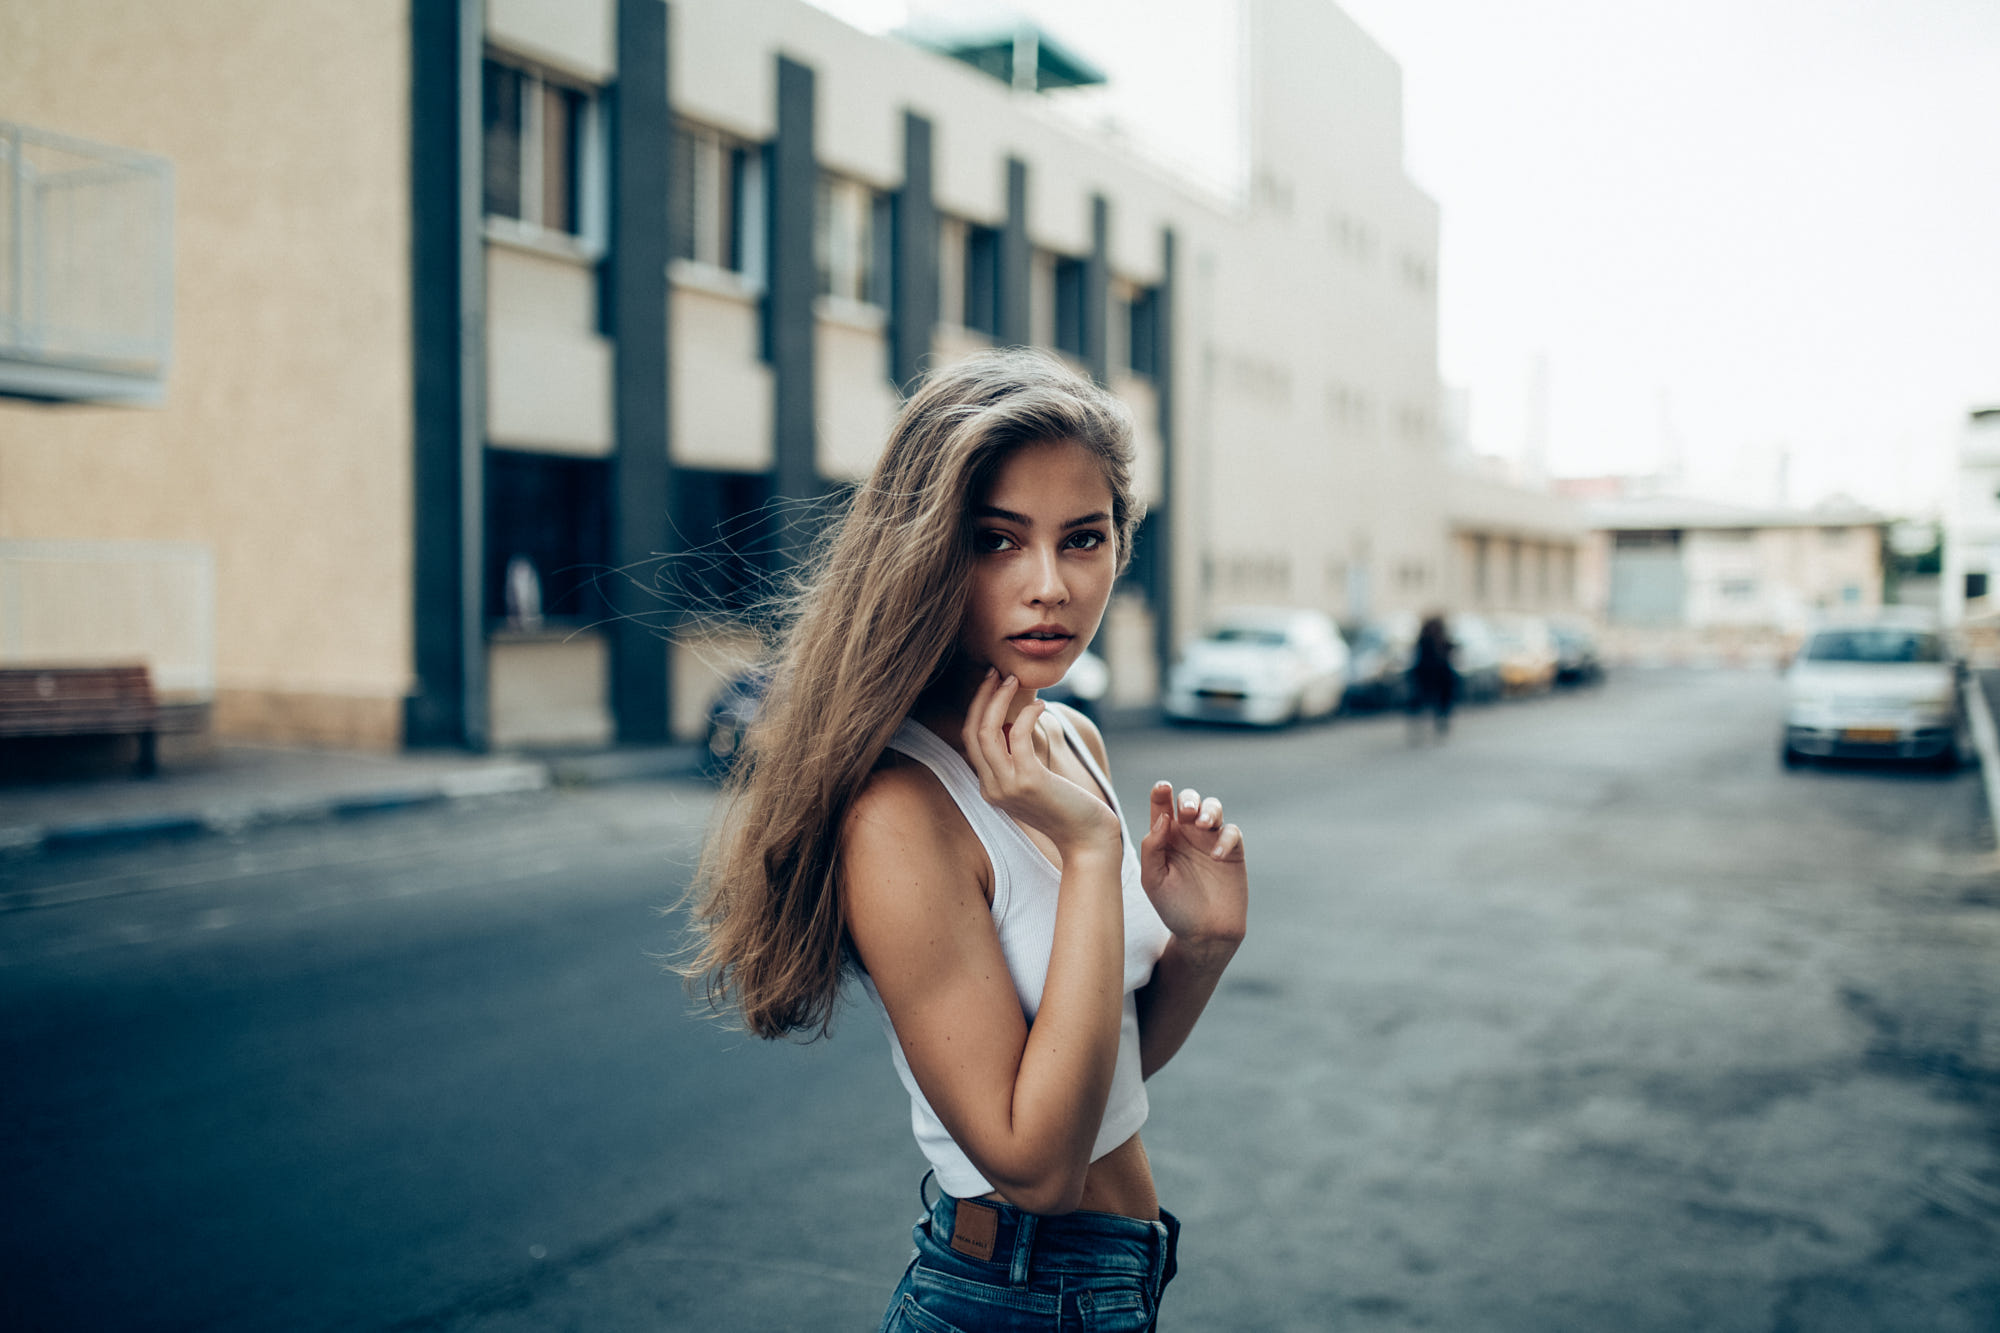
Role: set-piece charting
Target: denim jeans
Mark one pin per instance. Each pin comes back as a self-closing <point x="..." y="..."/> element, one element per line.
<point x="1092" y="1272"/>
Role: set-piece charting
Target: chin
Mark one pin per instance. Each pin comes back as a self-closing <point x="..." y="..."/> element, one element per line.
<point x="1042" y="675"/>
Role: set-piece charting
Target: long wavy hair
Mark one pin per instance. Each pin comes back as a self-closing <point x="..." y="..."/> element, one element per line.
<point x="873" y="624"/>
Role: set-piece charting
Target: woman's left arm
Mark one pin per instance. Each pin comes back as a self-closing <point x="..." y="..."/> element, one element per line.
<point x="1191" y="864"/>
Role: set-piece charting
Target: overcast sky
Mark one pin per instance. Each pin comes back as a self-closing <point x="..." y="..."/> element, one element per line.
<point x="1729" y="230"/>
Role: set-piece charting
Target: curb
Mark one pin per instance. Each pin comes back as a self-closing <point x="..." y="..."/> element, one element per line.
<point x="495" y="779"/>
<point x="1987" y="743"/>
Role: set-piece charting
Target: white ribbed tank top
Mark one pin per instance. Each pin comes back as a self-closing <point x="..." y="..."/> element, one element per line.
<point x="1025" y="887"/>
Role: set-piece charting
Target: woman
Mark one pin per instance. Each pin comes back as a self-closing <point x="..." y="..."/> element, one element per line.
<point x="1433" y="680"/>
<point x="909" y="812"/>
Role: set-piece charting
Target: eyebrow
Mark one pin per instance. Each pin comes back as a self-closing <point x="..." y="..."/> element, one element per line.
<point x="1022" y="520"/>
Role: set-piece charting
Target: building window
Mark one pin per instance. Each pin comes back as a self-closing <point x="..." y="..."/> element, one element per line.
<point x="1142" y="336"/>
<point x="716" y="199"/>
<point x="982" y="279"/>
<point x="853" y="232"/>
<point x="1738" y="589"/>
<point x="1069" y="298"/>
<point x="537" y="132"/>
<point x="552" y="512"/>
<point x="1975" y="586"/>
<point x="733" y="534"/>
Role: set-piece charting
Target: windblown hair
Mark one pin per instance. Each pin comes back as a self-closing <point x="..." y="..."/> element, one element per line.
<point x="873" y="624"/>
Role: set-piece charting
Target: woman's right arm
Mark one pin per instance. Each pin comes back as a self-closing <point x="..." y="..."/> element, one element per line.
<point x="1024" y="1103"/>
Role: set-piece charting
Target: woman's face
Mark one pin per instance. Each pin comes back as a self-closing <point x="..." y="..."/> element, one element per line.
<point x="1043" y="559"/>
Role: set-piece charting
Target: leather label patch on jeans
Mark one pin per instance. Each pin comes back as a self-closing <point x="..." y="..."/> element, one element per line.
<point x="973" y="1229"/>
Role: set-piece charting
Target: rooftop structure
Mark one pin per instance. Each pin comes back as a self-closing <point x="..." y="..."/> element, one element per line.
<point x="1006" y="46"/>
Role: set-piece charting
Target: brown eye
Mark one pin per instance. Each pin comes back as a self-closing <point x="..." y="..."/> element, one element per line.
<point x="988" y="541"/>
<point x="1086" y="541"/>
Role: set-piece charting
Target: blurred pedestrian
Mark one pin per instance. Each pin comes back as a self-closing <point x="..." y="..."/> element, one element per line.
<point x="909" y="814"/>
<point x="1433" y="680"/>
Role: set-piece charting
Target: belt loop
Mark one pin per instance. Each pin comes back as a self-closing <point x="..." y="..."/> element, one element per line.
<point x="1170" y="1234"/>
<point x="1024" y="1241"/>
<point x="923" y="1185"/>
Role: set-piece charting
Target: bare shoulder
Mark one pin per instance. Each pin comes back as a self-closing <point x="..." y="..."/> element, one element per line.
<point x="903" y="829"/>
<point x="1091" y="735"/>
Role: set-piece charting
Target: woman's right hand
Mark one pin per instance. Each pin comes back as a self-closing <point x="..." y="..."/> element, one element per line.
<point x="1013" y="777"/>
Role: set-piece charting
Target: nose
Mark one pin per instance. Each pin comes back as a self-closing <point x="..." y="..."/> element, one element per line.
<point x="1045" y="583"/>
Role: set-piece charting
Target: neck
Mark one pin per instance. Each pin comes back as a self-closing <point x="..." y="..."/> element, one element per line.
<point x="943" y="707"/>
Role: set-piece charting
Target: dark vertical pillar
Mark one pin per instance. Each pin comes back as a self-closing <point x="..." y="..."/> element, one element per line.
<point x="1015" y="258"/>
<point x="916" y="262"/>
<point x="1097" y="292"/>
<point x="642" y="140"/>
<point x="447" y="322"/>
<point x="1165" y="532"/>
<point x="794" y="279"/>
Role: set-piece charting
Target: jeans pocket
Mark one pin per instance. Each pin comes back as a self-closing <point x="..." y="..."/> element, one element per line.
<point x="910" y="1317"/>
<point x="940" y="1302"/>
<point x="1114" y="1310"/>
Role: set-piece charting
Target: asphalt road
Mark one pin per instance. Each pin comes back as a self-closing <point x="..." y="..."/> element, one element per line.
<point x="1591" y="1018"/>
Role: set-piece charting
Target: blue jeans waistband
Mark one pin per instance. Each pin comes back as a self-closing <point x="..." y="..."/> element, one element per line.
<point x="1023" y="1244"/>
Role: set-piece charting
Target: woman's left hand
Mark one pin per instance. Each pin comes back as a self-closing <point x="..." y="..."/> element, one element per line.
<point x="1191" y="864"/>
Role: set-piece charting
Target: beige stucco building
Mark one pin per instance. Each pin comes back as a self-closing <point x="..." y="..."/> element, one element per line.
<point x="1680" y="577"/>
<point x="479" y="414"/>
<point x="241" y="533"/>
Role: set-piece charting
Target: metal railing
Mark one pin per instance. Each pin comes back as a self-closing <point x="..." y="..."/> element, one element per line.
<point x="86" y="267"/>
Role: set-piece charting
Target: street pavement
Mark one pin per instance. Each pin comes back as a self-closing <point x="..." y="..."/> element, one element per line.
<point x="1591" y="1017"/>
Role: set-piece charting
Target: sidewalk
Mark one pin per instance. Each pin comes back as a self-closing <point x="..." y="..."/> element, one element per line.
<point x="245" y="785"/>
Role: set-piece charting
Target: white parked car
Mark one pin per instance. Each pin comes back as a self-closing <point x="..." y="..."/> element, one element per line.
<point x="1262" y="666"/>
<point x="1083" y="686"/>
<point x="1878" y="689"/>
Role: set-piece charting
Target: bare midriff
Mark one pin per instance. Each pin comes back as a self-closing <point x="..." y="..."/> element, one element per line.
<point x="1119" y="1182"/>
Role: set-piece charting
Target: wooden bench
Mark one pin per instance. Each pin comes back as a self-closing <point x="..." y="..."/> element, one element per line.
<point x="110" y="700"/>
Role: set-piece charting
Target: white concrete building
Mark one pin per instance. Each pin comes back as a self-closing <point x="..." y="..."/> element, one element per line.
<point x="1969" y="591"/>
<point x="606" y="290"/>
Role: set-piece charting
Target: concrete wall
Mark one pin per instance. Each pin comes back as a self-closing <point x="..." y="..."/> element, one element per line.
<point x="727" y="423"/>
<point x="549" y="689"/>
<point x="1532" y="542"/>
<point x="548" y="370"/>
<point x="574" y="37"/>
<point x="283" y="445"/>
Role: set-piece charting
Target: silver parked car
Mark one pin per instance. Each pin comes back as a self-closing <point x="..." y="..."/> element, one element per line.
<point x="1263" y="666"/>
<point x="1878" y="689"/>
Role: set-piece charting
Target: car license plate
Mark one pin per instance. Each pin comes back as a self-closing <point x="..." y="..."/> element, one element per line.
<point x="1871" y="735"/>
